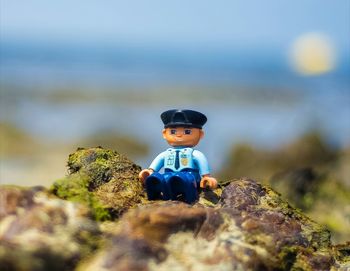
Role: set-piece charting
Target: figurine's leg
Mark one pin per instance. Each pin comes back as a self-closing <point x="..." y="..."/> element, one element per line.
<point x="176" y="186"/>
<point x="197" y="178"/>
<point x="166" y="189"/>
<point x="191" y="192"/>
<point x="154" y="186"/>
<point x="184" y="183"/>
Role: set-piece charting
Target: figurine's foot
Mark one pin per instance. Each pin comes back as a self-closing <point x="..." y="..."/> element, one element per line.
<point x="176" y="187"/>
<point x="153" y="188"/>
<point x="157" y="188"/>
<point x="183" y="187"/>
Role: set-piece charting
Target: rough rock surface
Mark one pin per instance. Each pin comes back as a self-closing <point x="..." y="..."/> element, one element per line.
<point x="309" y="172"/>
<point x="96" y="176"/>
<point x="41" y="232"/>
<point x="242" y="225"/>
<point x="251" y="228"/>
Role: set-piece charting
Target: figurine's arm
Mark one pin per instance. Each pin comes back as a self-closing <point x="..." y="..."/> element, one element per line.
<point x="156" y="165"/>
<point x="207" y="180"/>
<point x="144" y="174"/>
<point x="204" y="170"/>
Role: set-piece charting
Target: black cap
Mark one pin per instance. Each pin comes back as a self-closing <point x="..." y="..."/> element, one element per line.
<point x="185" y="118"/>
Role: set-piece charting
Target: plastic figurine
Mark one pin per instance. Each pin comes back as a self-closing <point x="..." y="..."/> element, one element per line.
<point x="185" y="169"/>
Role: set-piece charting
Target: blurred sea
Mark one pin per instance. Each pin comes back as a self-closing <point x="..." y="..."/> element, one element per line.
<point x="59" y="93"/>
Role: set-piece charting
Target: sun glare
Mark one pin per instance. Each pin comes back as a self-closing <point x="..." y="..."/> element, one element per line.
<point x="312" y="54"/>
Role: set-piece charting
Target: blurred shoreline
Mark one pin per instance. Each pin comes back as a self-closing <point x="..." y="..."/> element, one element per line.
<point x="61" y="65"/>
<point x="61" y="95"/>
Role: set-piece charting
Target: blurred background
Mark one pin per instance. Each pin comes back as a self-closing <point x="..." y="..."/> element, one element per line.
<point x="272" y="77"/>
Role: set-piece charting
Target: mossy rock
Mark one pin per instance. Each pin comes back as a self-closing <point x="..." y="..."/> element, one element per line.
<point x="251" y="227"/>
<point x="103" y="179"/>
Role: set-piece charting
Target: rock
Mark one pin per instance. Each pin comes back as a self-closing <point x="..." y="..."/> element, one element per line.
<point x="250" y="228"/>
<point x="342" y="256"/>
<point x="321" y="196"/>
<point x="271" y="223"/>
<point x="102" y="221"/>
<point x="104" y="180"/>
<point x="309" y="172"/>
<point x="41" y="232"/>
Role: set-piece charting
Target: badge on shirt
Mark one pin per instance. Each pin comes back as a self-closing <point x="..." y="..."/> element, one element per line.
<point x="184" y="159"/>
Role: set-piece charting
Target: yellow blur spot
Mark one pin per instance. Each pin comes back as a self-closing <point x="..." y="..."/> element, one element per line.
<point x="312" y="53"/>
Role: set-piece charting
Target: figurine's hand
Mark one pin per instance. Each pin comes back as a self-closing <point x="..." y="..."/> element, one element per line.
<point x="208" y="181"/>
<point x="144" y="174"/>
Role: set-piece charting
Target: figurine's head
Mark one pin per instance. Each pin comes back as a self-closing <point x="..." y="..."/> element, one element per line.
<point x="183" y="128"/>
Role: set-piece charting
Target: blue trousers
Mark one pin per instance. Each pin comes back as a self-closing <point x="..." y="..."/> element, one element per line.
<point x="171" y="185"/>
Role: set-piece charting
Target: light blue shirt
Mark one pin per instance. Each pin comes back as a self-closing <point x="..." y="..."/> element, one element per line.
<point x="188" y="159"/>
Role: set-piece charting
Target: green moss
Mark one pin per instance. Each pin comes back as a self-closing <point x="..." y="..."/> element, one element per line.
<point x="98" y="164"/>
<point x="288" y="256"/>
<point x="75" y="188"/>
<point x="102" y="179"/>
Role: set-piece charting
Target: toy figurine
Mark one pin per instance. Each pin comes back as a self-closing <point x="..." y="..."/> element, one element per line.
<point x="185" y="169"/>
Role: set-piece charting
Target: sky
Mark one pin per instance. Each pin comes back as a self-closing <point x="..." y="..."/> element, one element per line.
<point x="196" y="23"/>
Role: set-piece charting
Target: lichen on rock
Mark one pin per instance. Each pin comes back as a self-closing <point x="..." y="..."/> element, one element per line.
<point x="103" y="179"/>
<point x="250" y="228"/>
<point x="310" y="173"/>
<point x="97" y="218"/>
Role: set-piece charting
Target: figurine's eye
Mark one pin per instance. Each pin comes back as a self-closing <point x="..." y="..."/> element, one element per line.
<point x="188" y="131"/>
<point x="173" y="131"/>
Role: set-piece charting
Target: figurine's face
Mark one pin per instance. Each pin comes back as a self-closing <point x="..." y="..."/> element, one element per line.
<point x="183" y="136"/>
